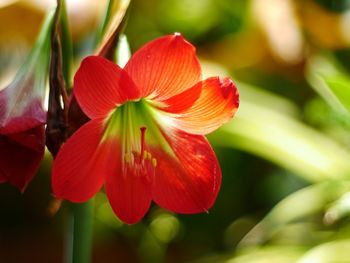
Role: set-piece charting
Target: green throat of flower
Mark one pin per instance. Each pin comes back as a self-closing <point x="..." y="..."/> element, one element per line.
<point x="135" y="126"/>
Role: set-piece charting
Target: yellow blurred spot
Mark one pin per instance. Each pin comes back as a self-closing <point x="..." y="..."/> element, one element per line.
<point x="165" y="227"/>
<point x="322" y="26"/>
<point x="22" y="23"/>
<point x="237" y="51"/>
<point x="278" y="22"/>
<point x="144" y="155"/>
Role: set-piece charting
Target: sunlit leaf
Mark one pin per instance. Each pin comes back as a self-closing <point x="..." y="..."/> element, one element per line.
<point x="299" y="205"/>
<point x="269" y="254"/>
<point x="336" y="251"/>
<point x="340" y="85"/>
<point x="330" y="81"/>
<point x="338" y="210"/>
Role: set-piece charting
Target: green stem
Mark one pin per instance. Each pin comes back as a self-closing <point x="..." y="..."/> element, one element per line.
<point x="79" y="233"/>
<point x="67" y="45"/>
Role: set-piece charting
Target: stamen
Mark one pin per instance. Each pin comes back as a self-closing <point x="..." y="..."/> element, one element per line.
<point x="140" y="162"/>
<point x="132" y="158"/>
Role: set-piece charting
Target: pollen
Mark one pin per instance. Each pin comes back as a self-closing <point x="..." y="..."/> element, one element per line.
<point x="144" y="155"/>
<point x="154" y="162"/>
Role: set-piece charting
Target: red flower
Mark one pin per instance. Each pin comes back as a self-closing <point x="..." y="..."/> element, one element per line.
<point x="145" y="138"/>
<point x="22" y="139"/>
<point x="22" y="115"/>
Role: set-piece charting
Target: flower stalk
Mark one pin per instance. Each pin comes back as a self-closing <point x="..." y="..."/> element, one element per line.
<point x="79" y="231"/>
<point x="78" y="237"/>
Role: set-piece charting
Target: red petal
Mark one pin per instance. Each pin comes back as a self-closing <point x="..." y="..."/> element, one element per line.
<point x="129" y="194"/>
<point x="164" y="67"/>
<point x="20" y="156"/>
<point x="129" y="189"/>
<point x="216" y="105"/>
<point x="182" y="101"/>
<point x="82" y="163"/>
<point x="100" y="85"/>
<point x="187" y="181"/>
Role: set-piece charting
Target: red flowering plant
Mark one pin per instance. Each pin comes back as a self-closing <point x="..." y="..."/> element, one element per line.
<point x="145" y="140"/>
<point x="22" y="115"/>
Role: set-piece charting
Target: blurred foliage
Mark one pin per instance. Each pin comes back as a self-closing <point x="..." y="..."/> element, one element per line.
<point x="335" y="5"/>
<point x="285" y="157"/>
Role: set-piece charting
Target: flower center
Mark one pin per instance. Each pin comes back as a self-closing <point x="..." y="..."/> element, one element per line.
<point x="131" y="125"/>
<point x="143" y="157"/>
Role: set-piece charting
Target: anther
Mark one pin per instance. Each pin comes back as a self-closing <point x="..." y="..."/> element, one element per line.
<point x="154" y="162"/>
<point x="127" y="158"/>
<point x="144" y="155"/>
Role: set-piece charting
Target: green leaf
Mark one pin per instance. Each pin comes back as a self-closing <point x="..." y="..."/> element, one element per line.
<point x="280" y="254"/>
<point x="267" y="254"/>
<point x="38" y="60"/>
<point x="336" y="251"/>
<point x="305" y="202"/>
<point x="67" y="45"/>
<point x="338" y="210"/>
<point x="331" y="81"/>
<point x="340" y="85"/>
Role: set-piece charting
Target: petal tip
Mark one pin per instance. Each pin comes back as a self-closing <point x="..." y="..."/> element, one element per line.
<point x="130" y="221"/>
<point x="228" y="87"/>
<point x="179" y="39"/>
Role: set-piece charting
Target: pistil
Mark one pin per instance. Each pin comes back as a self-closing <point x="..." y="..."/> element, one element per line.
<point x="143" y="131"/>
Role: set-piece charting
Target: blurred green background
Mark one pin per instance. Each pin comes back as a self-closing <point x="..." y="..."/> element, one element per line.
<point x="285" y="157"/>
